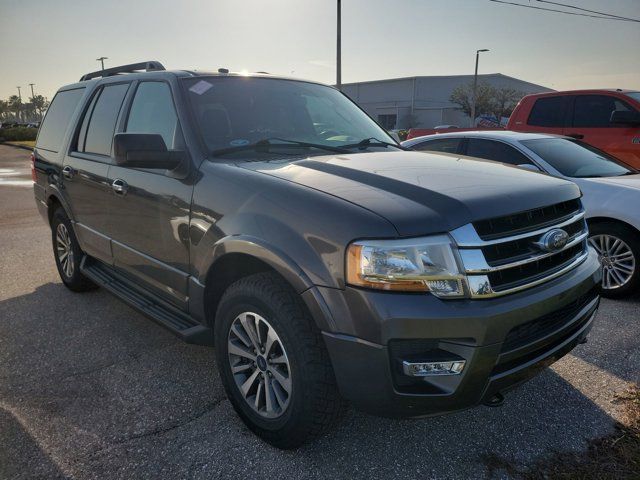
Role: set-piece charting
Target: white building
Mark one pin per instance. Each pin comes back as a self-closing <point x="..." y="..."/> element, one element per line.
<point x="392" y="102"/>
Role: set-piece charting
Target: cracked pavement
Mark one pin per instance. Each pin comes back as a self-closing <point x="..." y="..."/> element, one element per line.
<point x="89" y="389"/>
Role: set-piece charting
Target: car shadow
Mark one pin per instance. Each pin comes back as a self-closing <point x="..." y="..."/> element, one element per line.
<point x="109" y="392"/>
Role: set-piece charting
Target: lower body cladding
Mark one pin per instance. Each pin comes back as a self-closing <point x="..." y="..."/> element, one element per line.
<point x="417" y="355"/>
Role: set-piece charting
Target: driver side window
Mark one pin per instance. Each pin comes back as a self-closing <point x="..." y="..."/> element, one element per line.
<point x="152" y="111"/>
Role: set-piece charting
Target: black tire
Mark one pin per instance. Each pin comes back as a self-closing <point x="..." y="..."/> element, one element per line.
<point x="315" y="405"/>
<point x="632" y="239"/>
<point x="72" y="277"/>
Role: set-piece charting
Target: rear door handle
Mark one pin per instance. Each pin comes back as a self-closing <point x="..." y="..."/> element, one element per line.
<point x="68" y="172"/>
<point x="577" y="136"/>
<point x="119" y="186"/>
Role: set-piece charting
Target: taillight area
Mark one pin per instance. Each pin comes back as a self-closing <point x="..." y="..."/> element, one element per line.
<point x="33" y="167"/>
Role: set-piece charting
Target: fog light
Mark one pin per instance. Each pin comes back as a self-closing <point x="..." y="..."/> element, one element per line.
<point x="427" y="369"/>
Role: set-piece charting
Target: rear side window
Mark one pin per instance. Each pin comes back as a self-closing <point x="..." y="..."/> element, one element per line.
<point x="152" y="111"/>
<point x="57" y="119"/>
<point x="594" y="111"/>
<point x="446" y="145"/>
<point x="548" y="112"/>
<point x="496" y="151"/>
<point x="96" y="133"/>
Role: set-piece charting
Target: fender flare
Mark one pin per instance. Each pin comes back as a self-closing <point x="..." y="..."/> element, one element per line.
<point x="281" y="263"/>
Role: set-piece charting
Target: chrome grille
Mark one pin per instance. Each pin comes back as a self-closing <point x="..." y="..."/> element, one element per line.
<point x="506" y="261"/>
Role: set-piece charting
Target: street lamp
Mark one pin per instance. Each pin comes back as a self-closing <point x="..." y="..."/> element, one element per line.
<point x="339" y="49"/>
<point x="475" y="88"/>
<point x="101" y="60"/>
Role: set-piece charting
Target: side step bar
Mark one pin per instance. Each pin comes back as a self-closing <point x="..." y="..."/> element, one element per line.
<point x="178" y="322"/>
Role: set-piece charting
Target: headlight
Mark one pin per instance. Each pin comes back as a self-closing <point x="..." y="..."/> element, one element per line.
<point x="424" y="264"/>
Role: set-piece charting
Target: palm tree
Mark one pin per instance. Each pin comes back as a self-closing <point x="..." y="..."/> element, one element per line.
<point x="4" y="109"/>
<point x="15" y="105"/>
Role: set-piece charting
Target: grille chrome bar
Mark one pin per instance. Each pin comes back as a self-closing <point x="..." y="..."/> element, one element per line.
<point x="475" y="262"/>
<point x="480" y="287"/>
<point x="467" y="237"/>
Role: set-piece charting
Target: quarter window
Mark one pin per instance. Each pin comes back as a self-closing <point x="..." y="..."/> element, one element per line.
<point x="57" y="119"/>
<point x="548" y="112"/>
<point x="496" y="151"/>
<point x="445" y="145"/>
<point x="594" y="111"/>
<point x="96" y="136"/>
<point x="152" y="111"/>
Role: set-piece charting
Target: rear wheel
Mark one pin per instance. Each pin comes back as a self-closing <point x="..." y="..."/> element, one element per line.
<point x="67" y="253"/>
<point x="273" y="363"/>
<point x="618" y="250"/>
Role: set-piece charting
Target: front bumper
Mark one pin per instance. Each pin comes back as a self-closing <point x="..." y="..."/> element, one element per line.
<point x="504" y="341"/>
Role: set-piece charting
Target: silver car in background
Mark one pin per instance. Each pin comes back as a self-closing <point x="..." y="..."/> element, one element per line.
<point x="611" y="190"/>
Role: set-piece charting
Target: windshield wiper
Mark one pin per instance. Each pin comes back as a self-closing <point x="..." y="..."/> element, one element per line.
<point x="266" y="143"/>
<point x="373" y="142"/>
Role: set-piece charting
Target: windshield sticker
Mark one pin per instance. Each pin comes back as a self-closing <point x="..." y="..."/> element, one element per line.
<point x="201" y="87"/>
<point x="239" y="142"/>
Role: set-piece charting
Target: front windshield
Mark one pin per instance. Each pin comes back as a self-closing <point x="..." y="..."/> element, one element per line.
<point x="239" y="111"/>
<point x="575" y="159"/>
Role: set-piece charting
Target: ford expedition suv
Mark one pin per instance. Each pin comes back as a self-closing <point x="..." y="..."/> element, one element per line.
<point x="274" y="219"/>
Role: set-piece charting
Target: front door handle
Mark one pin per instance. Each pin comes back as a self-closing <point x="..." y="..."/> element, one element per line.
<point x="577" y="136"/>
<point x="119" y="187"/>
<point x="68" y="172"/>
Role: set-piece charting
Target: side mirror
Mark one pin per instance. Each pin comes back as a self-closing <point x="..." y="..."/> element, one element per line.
<point x="625" y="117"/>
<point x="144" y="150"/>
<point x="530" y="166"/>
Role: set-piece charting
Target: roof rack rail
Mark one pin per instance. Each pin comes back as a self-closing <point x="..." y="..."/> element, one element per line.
<point x="150" y="66"/>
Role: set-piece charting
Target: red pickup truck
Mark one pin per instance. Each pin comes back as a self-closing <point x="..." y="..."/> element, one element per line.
<point x="606" y="119"/>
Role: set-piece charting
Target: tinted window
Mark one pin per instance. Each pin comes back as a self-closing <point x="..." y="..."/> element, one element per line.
<point x="388" y="121"/>
<point x="152" y="111"/>
<point x="548" y="112"/>
<point x="57" y="119"/>
<point x="575" y="159"/>
<point x="102" y="123"/>
<point x="447" y="145"/>
<point x="595" y="110"/>
<point x="497" y="151"/>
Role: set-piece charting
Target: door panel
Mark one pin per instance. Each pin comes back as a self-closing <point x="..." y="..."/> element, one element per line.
<point x="149" y="223"/>
<point x="591" y="124"/>
<point x="87" y="189"/>
<point x="149" y="208"/>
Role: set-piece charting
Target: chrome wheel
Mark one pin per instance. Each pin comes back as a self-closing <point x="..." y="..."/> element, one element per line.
<point x="259" y="365"/>
<point x="64" y="249"/>
<point x="617" y="260"/>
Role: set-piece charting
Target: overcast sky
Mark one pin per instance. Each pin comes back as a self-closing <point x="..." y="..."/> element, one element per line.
<point x="51" y="43"/>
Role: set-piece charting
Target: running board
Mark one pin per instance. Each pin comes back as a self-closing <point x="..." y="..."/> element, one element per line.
<point x="178" y="322"/>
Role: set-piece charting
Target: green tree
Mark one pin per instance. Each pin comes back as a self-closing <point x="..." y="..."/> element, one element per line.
<point x="462" y="96"/>
<point x="40" y="104"/>
<point x="15" y="105"/>
<point x="504" y="101"/>
<point x="4" y="109"/>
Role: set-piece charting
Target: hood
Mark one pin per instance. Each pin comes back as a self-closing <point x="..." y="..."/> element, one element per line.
<point x="421" y="193"/>
<point x="628" y="181"/>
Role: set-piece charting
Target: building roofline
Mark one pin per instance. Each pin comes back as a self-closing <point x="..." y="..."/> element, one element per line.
<point x="417" y="77"/>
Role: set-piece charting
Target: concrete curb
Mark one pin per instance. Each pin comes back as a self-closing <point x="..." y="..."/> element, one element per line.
<point x="23" y="147"/>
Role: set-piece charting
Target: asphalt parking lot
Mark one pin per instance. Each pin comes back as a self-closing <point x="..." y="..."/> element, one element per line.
<point x="89" y="388"/>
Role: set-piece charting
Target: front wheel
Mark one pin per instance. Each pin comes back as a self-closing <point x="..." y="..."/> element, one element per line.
<point x="618" y="250"/>
<point x="273" y="363"/>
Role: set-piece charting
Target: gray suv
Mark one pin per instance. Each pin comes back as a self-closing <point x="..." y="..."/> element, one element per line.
<point x="273" y="219"/>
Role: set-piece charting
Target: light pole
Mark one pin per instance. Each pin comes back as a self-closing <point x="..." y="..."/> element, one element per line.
<point x="32" y="94"/>
<point x="19" y="93"/>
<point x="475" y="88"/>
<point x="101" y="60"/>
<point x="339" y="48"/>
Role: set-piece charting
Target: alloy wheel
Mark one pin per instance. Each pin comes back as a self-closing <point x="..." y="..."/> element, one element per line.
<point x="259" y="365"/>
<point x="617" y="260"/>
<point x="64" y="250"/>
